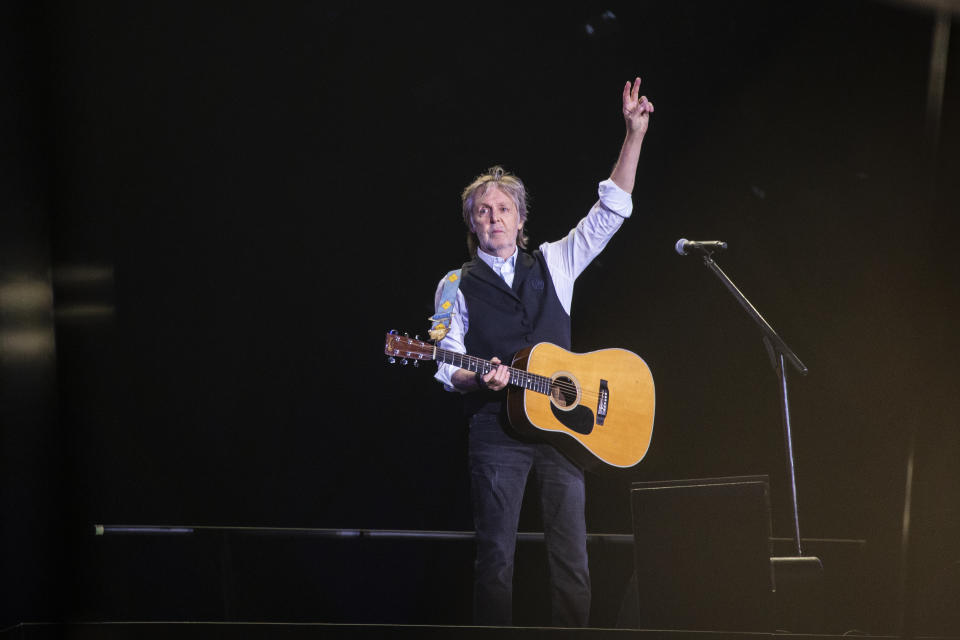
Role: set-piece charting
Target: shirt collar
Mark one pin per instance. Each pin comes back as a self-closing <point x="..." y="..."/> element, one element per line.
<point x="498" y="264"/>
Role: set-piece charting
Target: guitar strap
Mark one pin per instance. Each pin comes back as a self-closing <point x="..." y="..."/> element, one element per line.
<point x="440" y="321"/>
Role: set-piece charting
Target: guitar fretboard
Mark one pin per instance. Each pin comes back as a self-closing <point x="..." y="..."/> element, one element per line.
<point x="518" y="377"/>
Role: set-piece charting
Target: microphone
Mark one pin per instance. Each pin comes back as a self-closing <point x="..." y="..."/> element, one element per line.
<point x="684" y="246"/>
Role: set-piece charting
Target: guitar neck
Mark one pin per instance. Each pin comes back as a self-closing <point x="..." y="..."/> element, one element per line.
<point x="518" y="377"/>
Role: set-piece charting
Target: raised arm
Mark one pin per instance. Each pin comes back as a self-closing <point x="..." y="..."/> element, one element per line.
<point x="636" y="114"/>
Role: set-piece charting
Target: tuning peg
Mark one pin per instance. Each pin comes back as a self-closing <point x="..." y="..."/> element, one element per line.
<point x="416" y="363"/>
<point x="416" y="337"/>
<point x="404" y="361"/>
<point x="392" y="360"/>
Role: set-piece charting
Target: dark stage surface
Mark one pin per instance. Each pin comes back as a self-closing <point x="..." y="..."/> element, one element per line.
<point x="246" y="631"/>
<point x="211" y="213"/>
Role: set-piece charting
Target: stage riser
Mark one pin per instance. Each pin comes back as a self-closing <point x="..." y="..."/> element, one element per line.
<point x="370" y="581"/>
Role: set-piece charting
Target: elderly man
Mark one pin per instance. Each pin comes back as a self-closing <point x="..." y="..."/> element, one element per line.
<point x="509" y="299"/>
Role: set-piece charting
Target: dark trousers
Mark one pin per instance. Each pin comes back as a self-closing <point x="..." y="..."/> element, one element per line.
<point x="499" y="465"/>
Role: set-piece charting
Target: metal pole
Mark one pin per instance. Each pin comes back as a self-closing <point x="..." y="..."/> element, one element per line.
<point x="788" y="439"/>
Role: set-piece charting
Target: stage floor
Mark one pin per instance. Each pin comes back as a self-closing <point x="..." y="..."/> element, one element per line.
<point x="254" y="630"/>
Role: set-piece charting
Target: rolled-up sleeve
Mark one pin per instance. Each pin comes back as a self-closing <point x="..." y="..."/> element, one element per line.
<point x="615" y="199"/>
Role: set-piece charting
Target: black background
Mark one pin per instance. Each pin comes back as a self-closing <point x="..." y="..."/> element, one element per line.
<point x="233" y="202"/>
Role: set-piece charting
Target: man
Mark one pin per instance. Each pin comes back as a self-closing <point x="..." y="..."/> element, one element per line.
<point x="509" y="299"/>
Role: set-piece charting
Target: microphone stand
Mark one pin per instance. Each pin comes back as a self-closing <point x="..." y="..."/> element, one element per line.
<point x="779" y="352"/>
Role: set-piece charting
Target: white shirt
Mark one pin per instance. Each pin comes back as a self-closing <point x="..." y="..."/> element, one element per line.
<point x="566" y="259"/>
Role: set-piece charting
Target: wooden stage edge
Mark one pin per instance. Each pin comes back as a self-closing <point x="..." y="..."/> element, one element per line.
<point x="247" y="630"/>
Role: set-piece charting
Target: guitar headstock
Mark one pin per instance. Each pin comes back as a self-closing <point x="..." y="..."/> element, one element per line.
<point x="403" y="346"/>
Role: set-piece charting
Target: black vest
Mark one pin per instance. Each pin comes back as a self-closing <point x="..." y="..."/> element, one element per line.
<point x="504" y="320"/>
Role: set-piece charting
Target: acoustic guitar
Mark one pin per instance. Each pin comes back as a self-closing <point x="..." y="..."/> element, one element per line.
<point x="595" y="407"/>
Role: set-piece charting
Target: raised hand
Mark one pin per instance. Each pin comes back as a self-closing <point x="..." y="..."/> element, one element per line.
<point x="636" y="113"/>
<point x="636" y="108"/>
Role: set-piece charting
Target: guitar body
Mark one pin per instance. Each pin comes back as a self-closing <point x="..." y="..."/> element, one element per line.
<point x="595" y="407"/>
<point x="600" y="408"/>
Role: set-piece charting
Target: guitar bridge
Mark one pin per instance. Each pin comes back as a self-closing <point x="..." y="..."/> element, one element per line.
<point x="602" y="402"/>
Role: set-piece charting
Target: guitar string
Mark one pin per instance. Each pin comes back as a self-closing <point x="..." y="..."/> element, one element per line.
<point x="554" y="384"/>
<point x="520" y="373"/>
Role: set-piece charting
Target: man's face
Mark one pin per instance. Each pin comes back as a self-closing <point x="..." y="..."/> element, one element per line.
<point x="496" y="222"/>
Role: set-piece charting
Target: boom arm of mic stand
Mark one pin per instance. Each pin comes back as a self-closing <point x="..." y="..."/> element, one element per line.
<point x="776" y="341"/>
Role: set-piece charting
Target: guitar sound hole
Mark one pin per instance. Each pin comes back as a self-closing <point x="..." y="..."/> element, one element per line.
<point x="563" y="391"/>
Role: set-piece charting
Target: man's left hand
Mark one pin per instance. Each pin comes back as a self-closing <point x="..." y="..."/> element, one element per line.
<point x="636" y="108"/>
<point x="497" y="378"/>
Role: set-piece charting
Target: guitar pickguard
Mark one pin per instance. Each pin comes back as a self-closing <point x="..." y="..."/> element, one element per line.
<point x="579" y="419"/>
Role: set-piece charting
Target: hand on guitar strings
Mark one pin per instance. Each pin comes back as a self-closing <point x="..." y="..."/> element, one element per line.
<point x="497" y="378"/>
